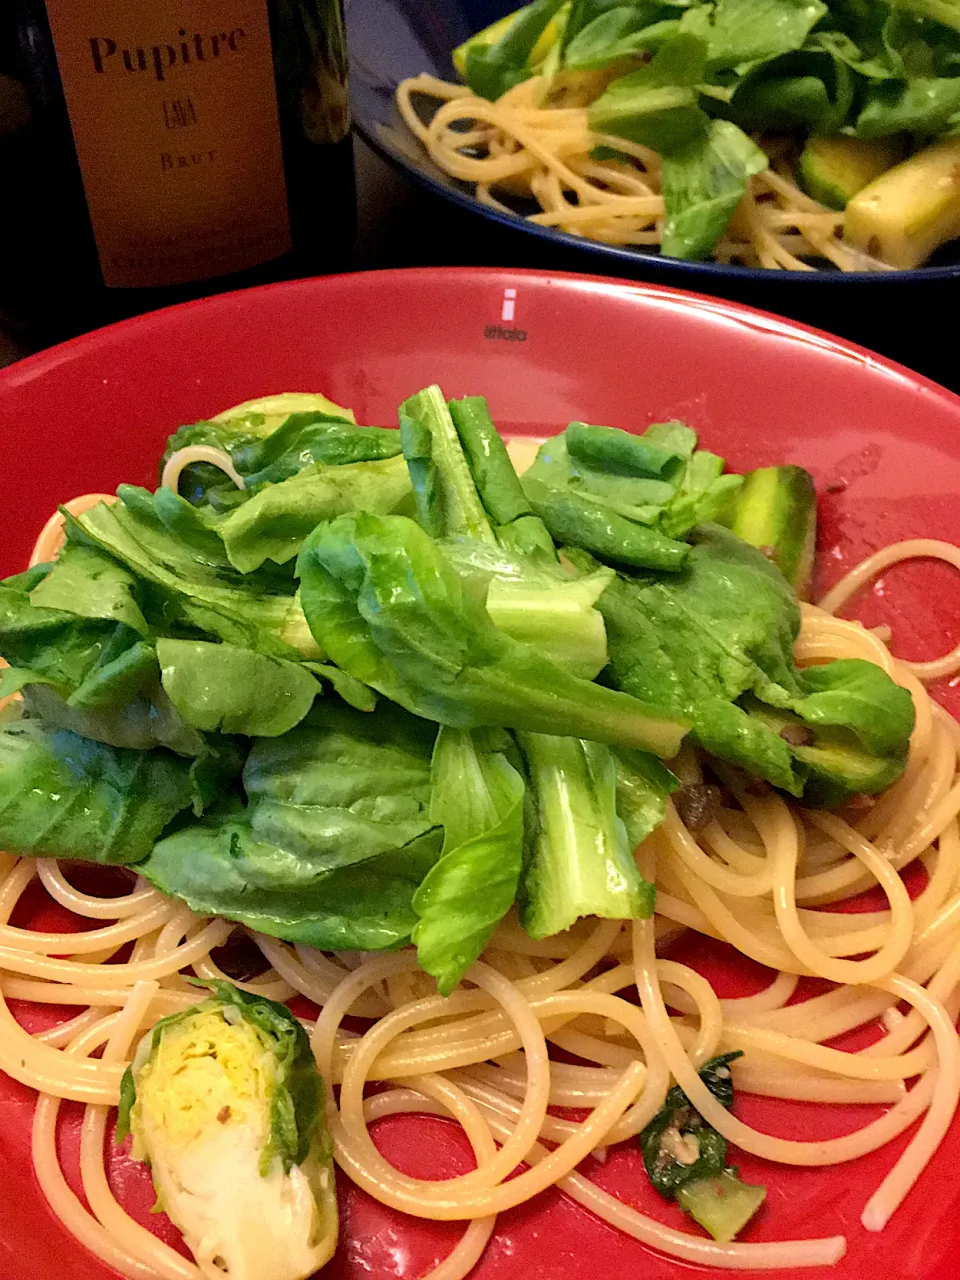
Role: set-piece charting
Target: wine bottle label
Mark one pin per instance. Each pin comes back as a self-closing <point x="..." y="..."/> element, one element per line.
<point x="174" y="115"/>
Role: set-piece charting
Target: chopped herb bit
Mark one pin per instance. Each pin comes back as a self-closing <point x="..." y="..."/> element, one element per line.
<point x="685" y="1158"/>
<point x="697" y="804"/>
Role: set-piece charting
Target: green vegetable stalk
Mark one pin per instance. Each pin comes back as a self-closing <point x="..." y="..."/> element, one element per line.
<point x="775" y="510"/>
<point x="538" y="602"/>
<point x="225" y="1103"/>
<point x="685" y="1159"/>
<point x="498" y="487"/>
<point x="448" y="504"/>
<point x="468" y="496"/>
<point x="581" y="862"/>
<point x="643" y="788"/>
<point x="466" y="482"/>
<point x="628" y="499"/>
<point x="555" y="617"/>
<point x="571" y="517"/>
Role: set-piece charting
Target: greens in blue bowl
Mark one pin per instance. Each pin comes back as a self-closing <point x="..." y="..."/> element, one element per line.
<point x="710" y="145"/>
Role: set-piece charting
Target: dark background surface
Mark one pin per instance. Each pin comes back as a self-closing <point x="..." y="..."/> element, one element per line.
<point x="386" y="204"/>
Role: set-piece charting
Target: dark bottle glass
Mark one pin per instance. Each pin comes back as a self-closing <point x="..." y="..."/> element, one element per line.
<point x="157" y="150"/>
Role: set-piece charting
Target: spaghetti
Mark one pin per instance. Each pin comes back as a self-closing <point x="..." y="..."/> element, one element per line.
<point x="530" y="149"/>
<point x="755" y="876"/>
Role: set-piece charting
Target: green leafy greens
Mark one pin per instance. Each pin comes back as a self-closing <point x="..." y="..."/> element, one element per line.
<point x="581" y="863"/>
<point x="477" y="796"/>
<point x="333" y="840"/>
<point x="688" y="640"/>
<point x="386" y="604"/>
<point x="390" y="690"/>
<point x="63" y="796"/>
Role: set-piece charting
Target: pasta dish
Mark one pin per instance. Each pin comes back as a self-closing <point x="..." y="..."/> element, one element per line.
<point x="762" y="133"/>
<point x="456" y="754"/>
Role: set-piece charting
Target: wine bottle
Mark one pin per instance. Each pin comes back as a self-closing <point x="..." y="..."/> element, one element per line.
<point x="158" y="150"/>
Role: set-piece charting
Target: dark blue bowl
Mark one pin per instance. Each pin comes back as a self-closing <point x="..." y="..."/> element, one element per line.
<point x="893" y="312"/>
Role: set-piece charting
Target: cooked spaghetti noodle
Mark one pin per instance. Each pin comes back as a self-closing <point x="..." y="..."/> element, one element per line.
<point x="543" y="151"/>
<point x="754" y="876"/>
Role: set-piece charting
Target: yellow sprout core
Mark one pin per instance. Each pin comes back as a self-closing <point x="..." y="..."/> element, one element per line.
<point x="205" y="1086"/>
<point x="206" y="1070"/>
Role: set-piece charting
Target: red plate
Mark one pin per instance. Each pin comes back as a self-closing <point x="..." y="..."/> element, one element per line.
<point x="884" y="446"/>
